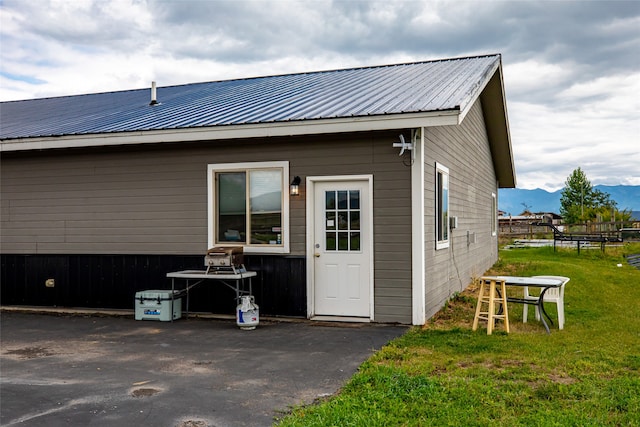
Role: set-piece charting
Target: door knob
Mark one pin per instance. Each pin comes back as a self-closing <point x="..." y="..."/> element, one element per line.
<point x="317" y="255"/>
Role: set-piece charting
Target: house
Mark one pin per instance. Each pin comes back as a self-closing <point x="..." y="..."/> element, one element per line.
<point x="550" y="217"/>
<point x="524" y="223"/>
<point x="396" y="210"/>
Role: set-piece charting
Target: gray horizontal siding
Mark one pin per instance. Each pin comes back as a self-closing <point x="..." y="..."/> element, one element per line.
<point x="465" y="151"/>
<point x="153" y="200"/>
<point x="391" y="210"/>
<point x="107" y="203"/>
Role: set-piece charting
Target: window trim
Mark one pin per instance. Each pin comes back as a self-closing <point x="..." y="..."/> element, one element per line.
<point x="494" y="214"/>
<point x="442" y="244"/>
<point x="212" y="169"/>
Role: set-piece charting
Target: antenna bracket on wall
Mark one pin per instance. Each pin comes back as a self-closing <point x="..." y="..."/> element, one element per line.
<point x="404" y="146"/>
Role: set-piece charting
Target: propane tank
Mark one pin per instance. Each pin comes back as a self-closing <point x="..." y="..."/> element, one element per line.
<point x="247" y="313"/>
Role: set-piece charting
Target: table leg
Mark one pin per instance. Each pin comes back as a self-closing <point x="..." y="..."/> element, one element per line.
<point x="172" y="297"/>
<point x="503" y="305"/>
<point x="492" y="296"/>
<point x="186" y="314"/>
<point x="501" y="291"/>
<point x="476" y="318"/>
<point x="542" y="311"/>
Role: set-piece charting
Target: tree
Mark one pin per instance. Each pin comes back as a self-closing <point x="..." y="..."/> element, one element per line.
<point x="580" y="202"/>
<point x="572" y="197"/>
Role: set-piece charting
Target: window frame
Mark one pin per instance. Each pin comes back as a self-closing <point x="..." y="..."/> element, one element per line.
<point x="442" y="225"/>
<point x="212" y="169"/>
<point x="494" y="214"/>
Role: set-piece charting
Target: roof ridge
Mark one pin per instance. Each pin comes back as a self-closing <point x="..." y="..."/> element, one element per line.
<point x="335" y="70"/>
<point x="239" y="79"/>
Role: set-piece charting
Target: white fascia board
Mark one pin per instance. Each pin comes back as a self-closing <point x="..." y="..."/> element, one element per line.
<point x="303" y="127"/>
<point x="471" y="100"/>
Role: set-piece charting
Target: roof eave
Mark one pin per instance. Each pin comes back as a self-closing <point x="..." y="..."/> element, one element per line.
<point x="230" y="132"/>
<point x="494" y="107"/>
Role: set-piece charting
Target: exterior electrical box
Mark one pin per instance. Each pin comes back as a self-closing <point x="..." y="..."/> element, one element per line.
<point x="157" y="305"/>
<point x="453" y="222"/>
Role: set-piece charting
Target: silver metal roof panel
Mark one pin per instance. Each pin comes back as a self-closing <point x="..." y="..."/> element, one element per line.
<point x="358" y="92"/>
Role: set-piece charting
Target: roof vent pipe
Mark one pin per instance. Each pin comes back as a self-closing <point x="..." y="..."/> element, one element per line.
<point x="154" y="98"/>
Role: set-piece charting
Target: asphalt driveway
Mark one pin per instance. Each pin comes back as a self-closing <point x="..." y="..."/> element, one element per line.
<point x="114" y="371"/>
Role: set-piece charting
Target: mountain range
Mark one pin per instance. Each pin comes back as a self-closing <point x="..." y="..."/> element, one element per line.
<point x="515" y="200"/>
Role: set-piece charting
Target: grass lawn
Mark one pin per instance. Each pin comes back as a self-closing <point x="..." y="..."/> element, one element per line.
<point x="445" y="374"/>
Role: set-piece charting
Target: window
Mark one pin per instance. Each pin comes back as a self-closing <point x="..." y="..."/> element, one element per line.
<point x="249" y="206"/>
<point x="342" y="219"/>
<point x="442" y="207"/>
<point x="494" y="215"/>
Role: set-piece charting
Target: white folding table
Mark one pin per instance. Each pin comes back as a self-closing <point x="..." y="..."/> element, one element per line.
<point x="235" y="281"/>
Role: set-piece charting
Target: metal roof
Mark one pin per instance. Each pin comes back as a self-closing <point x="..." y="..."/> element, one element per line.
<point x="431" y="86"/>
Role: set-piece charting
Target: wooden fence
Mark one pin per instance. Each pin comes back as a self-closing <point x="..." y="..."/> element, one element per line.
<point x="630" y="230"/>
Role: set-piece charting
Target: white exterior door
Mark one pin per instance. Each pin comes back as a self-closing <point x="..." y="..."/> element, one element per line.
<point x="342" y="249"/>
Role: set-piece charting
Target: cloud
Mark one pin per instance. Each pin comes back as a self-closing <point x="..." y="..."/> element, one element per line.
<point x="251" y="34"/>
<point x="553" y="141"/>
<point x="571" y="69"/>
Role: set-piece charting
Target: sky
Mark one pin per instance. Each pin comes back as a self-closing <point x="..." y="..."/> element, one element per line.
<point x="571" y="68"/>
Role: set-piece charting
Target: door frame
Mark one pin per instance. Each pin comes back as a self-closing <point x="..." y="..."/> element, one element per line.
<point x="310" y="219"/>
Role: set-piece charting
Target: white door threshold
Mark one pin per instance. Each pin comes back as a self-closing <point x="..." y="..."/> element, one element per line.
<point x="341" y="319"/>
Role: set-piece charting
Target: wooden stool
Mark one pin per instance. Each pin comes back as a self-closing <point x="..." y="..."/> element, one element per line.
<point x="487" y="295"/>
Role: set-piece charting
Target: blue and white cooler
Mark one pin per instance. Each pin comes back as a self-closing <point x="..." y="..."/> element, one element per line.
<point x="156" y="305"/>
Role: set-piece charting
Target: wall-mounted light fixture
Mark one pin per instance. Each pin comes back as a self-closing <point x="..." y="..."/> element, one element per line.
<point x="294" y="188"/>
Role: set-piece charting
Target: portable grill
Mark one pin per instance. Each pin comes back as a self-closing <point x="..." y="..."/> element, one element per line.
<point x="225" y="259"/>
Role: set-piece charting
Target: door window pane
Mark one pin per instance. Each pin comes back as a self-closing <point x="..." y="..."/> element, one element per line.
<point x="355" y="220"/>
<point x="343" y="241"/>
<point x="355" y="241"/>
<point x="331" y="220"/>
<point x="342" y="199"/>
<point x="330" y="242"/>
<point x="343" y="220"/>
<point x="330" y="197"/>
<point x="354" y="199"/>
